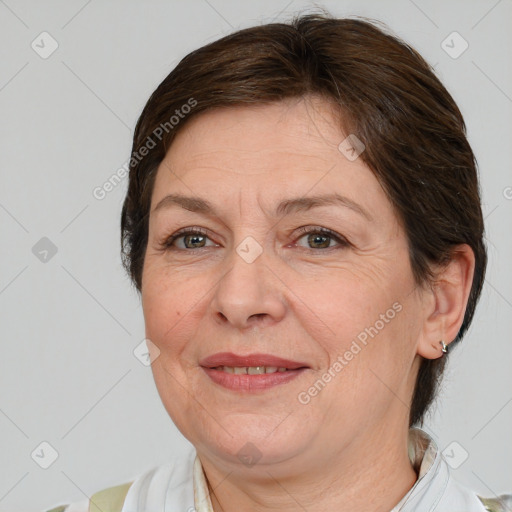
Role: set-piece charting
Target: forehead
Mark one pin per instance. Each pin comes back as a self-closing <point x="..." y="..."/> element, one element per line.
<point x="278" y="128"/>
<point x="265" y="151"/>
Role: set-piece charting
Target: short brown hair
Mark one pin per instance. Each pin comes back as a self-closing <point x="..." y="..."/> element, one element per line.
<point x="388" y="96"/>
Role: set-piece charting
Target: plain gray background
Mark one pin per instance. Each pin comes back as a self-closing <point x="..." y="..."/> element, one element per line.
<point x="70" y="324"/>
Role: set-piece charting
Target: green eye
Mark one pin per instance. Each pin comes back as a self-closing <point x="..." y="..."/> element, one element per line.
<point x="192" y="239"/>
<point x="321" y="238"/>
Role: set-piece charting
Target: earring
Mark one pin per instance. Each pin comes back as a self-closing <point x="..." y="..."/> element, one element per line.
<point x="444" y="346"/>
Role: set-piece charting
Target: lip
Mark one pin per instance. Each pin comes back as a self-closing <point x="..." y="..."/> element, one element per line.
<point x="230" y="359"/>
<point x="251" y="383"/>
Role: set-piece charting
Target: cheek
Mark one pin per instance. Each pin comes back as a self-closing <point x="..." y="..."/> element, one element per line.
<point x="367" y="372"/>
<point x="375" y="351"/>
<point x="348" y="301"/>
<point x="165" y="305"/>
<point x="367" y="325"/>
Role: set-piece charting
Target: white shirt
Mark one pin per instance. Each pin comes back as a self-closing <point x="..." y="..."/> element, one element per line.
<point x="181" y="486"/>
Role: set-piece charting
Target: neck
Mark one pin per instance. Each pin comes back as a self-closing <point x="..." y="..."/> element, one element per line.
<point x="373" y="472"/>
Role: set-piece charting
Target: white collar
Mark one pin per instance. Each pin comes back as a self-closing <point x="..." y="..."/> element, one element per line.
<point x="181" y="484"/>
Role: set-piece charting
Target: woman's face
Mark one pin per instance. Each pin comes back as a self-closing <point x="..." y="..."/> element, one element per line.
<point x="262" y="276"/>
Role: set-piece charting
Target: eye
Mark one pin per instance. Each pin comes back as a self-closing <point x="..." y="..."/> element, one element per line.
<point x="197" y="238"/>
<point x="187" y="238"/>
<point x="321" y="238"/>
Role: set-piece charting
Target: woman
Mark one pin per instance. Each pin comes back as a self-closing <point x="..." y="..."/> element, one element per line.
<point x="303" y="224"/>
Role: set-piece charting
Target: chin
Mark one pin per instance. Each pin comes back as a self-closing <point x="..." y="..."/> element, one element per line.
<point x="249" y="440"/>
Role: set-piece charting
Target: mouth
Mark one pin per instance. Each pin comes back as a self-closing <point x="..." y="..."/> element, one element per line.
<point x="254" y="372"/>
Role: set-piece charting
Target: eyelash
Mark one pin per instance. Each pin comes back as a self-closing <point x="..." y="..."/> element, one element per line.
<point x="307" y="230"/>
<point x="181" y="233"/>
<point x="302" y="231"/>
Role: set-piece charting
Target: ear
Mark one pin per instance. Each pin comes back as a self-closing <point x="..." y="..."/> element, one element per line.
<point x="446" y="306"/>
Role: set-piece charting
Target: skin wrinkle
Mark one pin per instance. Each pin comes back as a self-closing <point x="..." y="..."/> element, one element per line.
<point x="288" y="302"/>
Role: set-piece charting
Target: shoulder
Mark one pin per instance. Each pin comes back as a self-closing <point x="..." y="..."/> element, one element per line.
<point x="460" y="498"/>
<point x="502" y="503"/>
<point x="169" y="485"/>
<point x="154" y="486"/>
<point x="110" y="499"/>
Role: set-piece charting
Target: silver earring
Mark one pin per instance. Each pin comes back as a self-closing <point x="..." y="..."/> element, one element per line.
<point x="444" y="346"/>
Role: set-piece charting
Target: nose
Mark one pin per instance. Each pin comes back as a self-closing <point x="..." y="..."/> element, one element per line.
<point x="248" y="293"/>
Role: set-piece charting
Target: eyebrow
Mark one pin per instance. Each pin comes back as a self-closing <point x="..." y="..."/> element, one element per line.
<point x="199" y="205"/>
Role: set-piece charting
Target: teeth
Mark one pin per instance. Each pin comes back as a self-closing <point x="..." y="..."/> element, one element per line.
<point x="256" y="370"/>
<point x="250" y="370"/>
